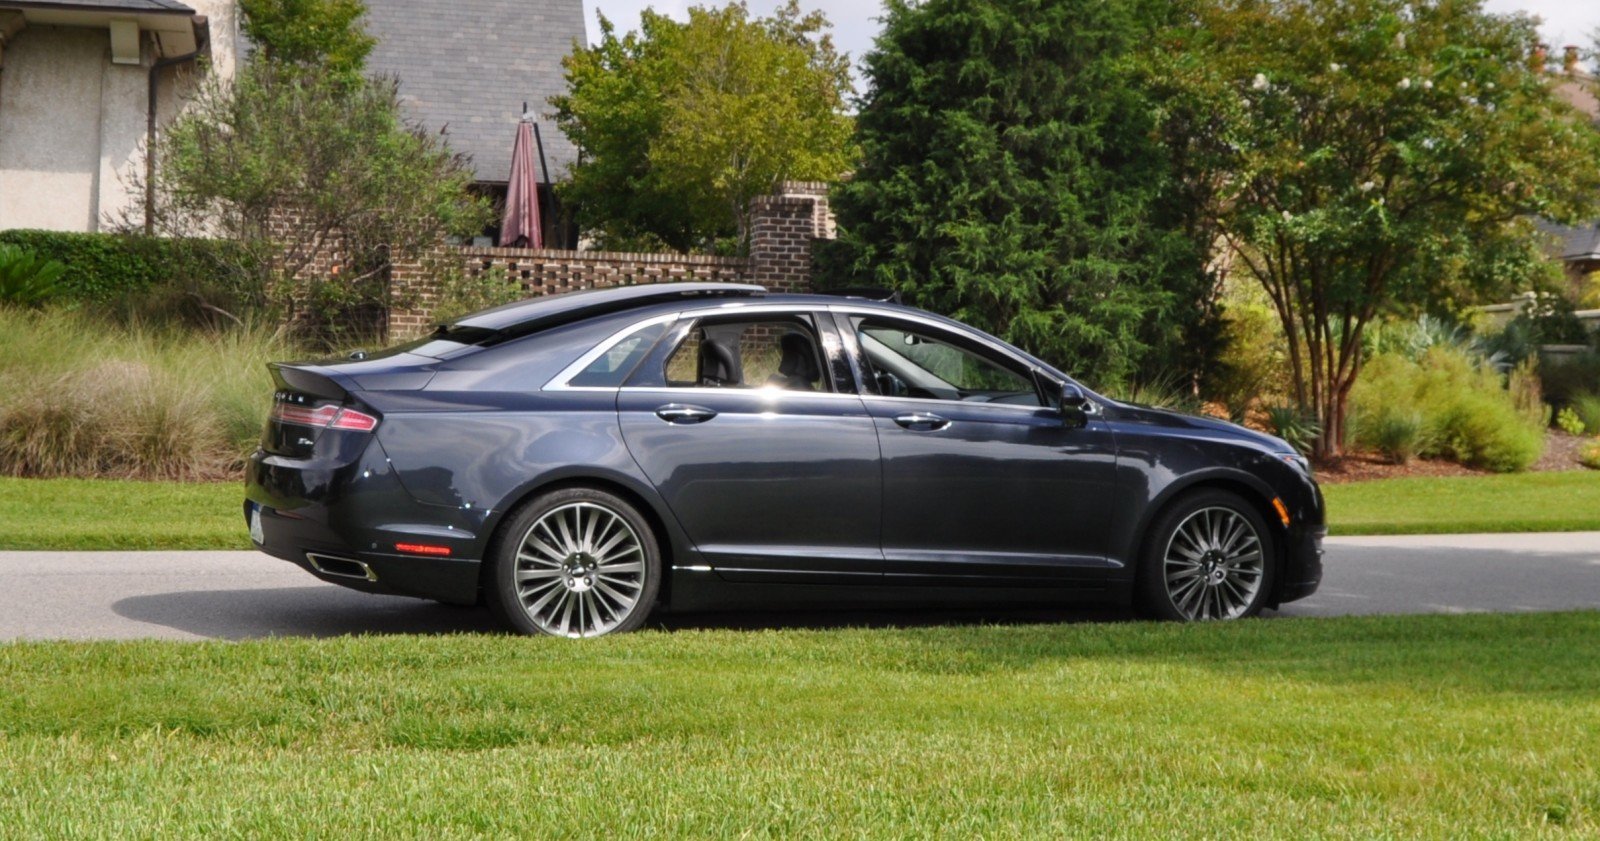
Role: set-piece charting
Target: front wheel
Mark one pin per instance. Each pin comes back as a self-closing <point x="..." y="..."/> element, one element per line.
<point x="578" y="562"/>
<point x="1210" y="556"/>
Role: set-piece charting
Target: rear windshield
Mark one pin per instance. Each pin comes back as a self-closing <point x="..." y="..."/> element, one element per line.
<point x="445" y="339"/>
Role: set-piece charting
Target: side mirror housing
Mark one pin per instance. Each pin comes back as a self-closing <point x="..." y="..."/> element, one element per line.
<point x="1075" y="406"/>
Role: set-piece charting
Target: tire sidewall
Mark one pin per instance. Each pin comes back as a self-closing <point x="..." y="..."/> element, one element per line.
<point x="1151" y="594"/>
<point x="500" y="590"/>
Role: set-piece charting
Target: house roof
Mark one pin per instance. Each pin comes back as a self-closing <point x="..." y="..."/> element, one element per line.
<point x="1574" y="243"/>
<point x="140" y="6"/>
<point x="467" y="66"/>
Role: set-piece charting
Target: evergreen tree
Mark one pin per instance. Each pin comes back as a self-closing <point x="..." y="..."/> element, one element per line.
<point x="1013" y="176"/>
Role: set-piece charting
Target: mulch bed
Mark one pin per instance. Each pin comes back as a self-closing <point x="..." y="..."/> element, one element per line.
<point x="1560" y="453"/>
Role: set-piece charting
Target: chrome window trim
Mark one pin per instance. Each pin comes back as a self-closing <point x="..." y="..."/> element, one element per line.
<point x="560" y="381"/>
<point x="848" y="310"/>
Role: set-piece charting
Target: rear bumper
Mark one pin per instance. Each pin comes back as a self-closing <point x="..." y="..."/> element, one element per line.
<point x="341" y="519"/>
<point x="314" y="548"/>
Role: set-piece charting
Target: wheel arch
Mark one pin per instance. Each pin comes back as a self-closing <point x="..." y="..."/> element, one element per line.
<point x="1249" y="488"/>
<point x="648" y="505"/>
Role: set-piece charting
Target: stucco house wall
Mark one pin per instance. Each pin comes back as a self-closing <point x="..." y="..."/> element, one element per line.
<point x="73" y="122"/>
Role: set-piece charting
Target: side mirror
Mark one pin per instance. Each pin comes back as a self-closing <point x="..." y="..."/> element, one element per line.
<point x="1075" y="406"/>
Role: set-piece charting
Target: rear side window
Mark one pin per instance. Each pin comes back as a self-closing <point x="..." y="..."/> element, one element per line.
<point x="611" y="368"/>
<point x="771" y="353"/>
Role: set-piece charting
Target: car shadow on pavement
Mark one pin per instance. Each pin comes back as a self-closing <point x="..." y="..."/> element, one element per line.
<point x="299" y="612"/>
<point x="332" y="611"/>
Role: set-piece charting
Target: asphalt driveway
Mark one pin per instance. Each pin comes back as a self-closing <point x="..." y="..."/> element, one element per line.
<point x="242" y="595"/>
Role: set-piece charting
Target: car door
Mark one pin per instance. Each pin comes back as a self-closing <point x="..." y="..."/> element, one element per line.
<point x="771" y="469"/>
<point x="984" y="481"/>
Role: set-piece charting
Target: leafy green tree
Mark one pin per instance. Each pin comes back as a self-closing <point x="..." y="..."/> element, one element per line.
<point x="1368" y="157"/>
<point x="682" y="124"/>
<point x="1013" y="176"/>
<point x="303" y="159"/>
<point x="324" y="34"/>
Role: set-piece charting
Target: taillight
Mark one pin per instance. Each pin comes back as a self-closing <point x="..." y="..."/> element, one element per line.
<point x="326" y="415"/>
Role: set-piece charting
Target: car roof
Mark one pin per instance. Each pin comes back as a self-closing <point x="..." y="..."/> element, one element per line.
<point x="572" y="306"/>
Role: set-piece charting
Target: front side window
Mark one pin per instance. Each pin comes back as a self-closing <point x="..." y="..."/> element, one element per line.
<point x="781" y="353"/>
<point x="904" y="360"/>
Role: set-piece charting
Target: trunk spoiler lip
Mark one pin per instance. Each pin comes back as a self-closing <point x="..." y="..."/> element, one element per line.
<point x="312" y="379"/>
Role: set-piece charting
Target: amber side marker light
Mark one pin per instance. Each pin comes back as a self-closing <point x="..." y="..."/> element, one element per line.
<point x="1283" y="513"/>
<point x="421" y="549"/>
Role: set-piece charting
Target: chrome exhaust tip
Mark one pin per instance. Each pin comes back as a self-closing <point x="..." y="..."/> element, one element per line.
<point x="340" y="567"/>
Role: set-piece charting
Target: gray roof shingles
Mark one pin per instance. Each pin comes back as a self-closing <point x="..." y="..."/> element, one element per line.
<point x="467" y="67"/>
<point x="1579" y="243"/>
<point x="116" y="5"/>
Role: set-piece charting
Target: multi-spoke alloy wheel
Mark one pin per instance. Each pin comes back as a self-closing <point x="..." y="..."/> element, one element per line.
<point x="580" y="563"/>
<point x="1209" y="559"/>
<point x="1213" y="565"/>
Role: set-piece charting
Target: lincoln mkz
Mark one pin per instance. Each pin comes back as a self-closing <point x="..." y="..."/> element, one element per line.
<point x="577" y="462"/>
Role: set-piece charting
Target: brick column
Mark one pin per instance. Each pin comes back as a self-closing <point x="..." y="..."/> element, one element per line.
<point x="782" y="230"/>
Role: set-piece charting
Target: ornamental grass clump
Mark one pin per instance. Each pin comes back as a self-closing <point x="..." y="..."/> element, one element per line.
<point x="81" y="397"/>
<point x="1444" y="403"/>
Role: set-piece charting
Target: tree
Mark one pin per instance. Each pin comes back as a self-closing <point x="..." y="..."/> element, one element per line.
<point x="307" y="160"/>
<point x="1369" y="157"/>
<point x="682" y="124"/>
<point x="321" y="34"/>
<point x="1013" y="177"/>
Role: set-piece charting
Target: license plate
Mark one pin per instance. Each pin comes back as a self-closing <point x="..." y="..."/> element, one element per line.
<point x="256" y="533"/>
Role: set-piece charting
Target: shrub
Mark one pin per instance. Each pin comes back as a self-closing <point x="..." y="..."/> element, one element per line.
<point x="1569" y="422"/>
<point x="80" y="396"/>
<point x="1251" y="366"/>
<point x="1587" y="407"/>
<point x="461" y="293"/>
<point x="1466" y="414"/>
<point x="1589" y="456"/>
<point x="111" y="267"/>
<point x="27" y="279"/>
<point x="1397" y="433"/>
<point x="1295" y="427"/>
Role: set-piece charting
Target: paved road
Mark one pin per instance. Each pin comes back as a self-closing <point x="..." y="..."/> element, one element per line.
<point x="240" y="595"/>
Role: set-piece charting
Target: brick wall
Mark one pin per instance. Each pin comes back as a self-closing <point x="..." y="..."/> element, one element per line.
<point x="783" y="229"/>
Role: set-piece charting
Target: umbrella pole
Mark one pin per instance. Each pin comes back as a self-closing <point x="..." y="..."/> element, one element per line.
<point x="538" y="143"/>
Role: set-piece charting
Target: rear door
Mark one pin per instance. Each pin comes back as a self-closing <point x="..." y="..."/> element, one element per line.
<point x="769" y="465"/>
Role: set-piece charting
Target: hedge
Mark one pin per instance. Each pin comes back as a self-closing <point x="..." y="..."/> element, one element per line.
<point x="108" y="267"/>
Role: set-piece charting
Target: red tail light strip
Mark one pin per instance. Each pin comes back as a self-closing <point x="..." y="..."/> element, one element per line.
<point x="328" y="415"/>
<point x="422" y="549"/>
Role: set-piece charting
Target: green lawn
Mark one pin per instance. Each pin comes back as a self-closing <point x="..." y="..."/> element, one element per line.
<point x="104" y="514"/>
<point x="101" y="514"/>
<point x="1516" y="502"/>
<point x="1433" y="726"/>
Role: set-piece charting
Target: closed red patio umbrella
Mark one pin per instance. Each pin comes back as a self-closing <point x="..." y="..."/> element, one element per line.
<point x="521" y="226"/>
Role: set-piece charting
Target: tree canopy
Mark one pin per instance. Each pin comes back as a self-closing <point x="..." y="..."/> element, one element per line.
<point x="324" y="34"/>
<point x="1369" y="157"/>
<point x="306" y="158"/>
<point x="1013" y="176"/>
<point x="682" y="124"/>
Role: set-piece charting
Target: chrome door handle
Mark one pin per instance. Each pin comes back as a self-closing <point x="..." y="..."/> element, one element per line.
<point x="922" y="421"/>
<point x="681" y="413"/>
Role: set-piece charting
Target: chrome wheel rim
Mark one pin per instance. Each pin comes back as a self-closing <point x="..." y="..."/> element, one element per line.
<point x="580" y="570"/>
<point x="1213" y="565"/>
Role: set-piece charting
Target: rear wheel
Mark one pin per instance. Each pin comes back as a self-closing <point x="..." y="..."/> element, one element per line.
<point x="577" y="562"/>
<point x="1210" y="556"/>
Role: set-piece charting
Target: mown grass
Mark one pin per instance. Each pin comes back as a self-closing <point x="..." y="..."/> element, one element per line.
<point x="86" y="514"/>
<point x="107" y="514"/>
<point x="1520" y="502"/>
<point x="1431" y="726"/>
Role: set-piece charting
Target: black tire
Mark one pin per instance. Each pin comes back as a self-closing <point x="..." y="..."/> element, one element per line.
<point x="581" y="576"/>
<point x="1223" y="577"/>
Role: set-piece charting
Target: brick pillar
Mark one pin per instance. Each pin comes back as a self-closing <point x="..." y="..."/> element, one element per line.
<point x="782" y="229"/>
